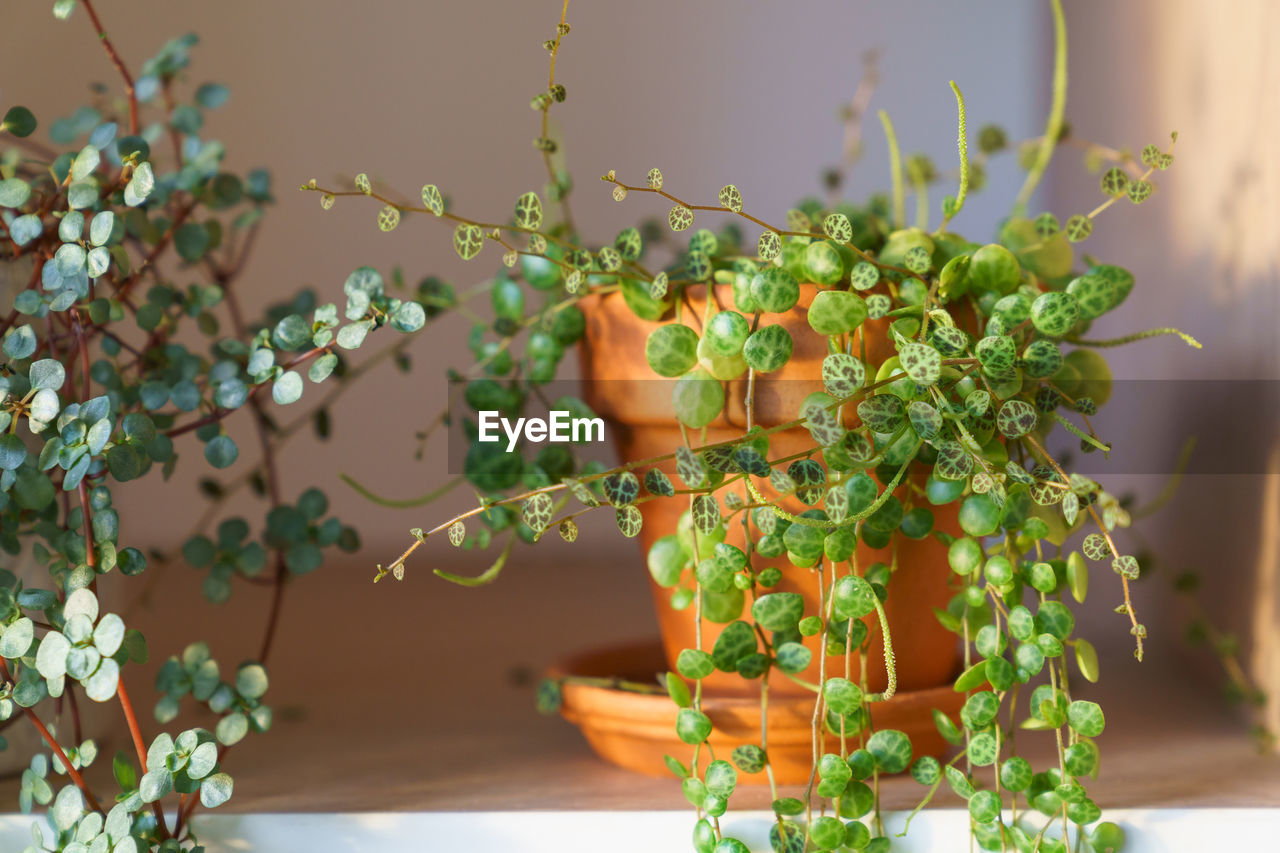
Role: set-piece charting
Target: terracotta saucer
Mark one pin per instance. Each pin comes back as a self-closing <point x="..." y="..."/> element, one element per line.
<point x="635" y="730"/>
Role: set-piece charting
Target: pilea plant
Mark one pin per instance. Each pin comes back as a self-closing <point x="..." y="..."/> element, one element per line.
<point x="125" y="349"/>
<point x="949" y="365"/>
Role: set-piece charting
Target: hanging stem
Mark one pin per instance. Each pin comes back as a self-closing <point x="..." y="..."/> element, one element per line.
<point x="962" y="143"/>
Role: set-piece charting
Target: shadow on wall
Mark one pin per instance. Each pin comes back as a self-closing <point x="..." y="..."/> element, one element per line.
<point x="1212" y="267"/>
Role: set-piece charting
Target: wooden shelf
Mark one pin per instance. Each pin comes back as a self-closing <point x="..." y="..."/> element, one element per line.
<point x="419" y="697"/>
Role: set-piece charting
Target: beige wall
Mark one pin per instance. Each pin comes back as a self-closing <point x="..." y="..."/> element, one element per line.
<point x="413" y="92"/>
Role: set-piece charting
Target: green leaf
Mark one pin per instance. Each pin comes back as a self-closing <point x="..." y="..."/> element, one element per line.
<point x="47" y="373"/>
<point x="155" y="785"/>
<point x="892" y="750"/>
<point x="17" y="638"/>
<point x="202" y="761"/>
<point x="1085" y="718"/>
<point x="20" y="342"/>
<point x="140" y="185"/>
<point x="221" y="451"/>
<point x="251" y="681"/>
<point x="432" y="199"/>
<point x="843" y="696"/>
<point x="468" y="240"/>
<point x="18" y="120"/>
<point x="778" y="611"/>
<point x="692" y="726"/>
<point x="678" y="690"/>
<point x="215" y="790"/>
<point x="529" y="211"/>
<point x="84" y="163"/>
<point x="101" y="686"/>
<point x="14" y="192"/>
<point x="210" y="96"/>
<point x="1087" y="659"/>
<point x="287" y="389"/>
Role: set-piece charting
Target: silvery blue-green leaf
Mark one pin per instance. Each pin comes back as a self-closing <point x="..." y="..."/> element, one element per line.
<point x="14" y="192"/>
<point x="44" y="405"/>
<point x="251" y="681"/>
<point x="67" y="808"/>
<point x="260" y="362"/>
<point x="409" y="317"/>
<point x="82" y="194"/>
<point x="210" y="96"/>
<point x="109" y="634"/>
<point x="103" y="135"/>
<point x="322" y="367"/>
<point x="231" y="394"/>
<point x="78" y="628"/>
<point x="159" y="749"/>
<point x="156" y="784"/>
<point x="221" y="451"/>
<point x="203" y="759"/>
<point x="71" y="227"/>
<point x="47" y="373"/>
<point x="64" y="300"/>
<point x="140" y="185"/>
<point x="98" y="436"/>
<point x="84" y="163"/>
<point x="26" y="228"/>
<point x="17" y="638"/>
<point x="352" y="336"/>
<point x="232" y="729"/>
<point x="20" y="342"/>
<point x="82" y="661"/>
<point x="100" y="228"/>
<point x="101" y="686"/>
<point x="98" y="261"/>
<point x="69" y="259"/>
<point x="288" y="388"/>
<point x="51" y="658"/>
<point x="12" y="452"/>
<point x="81" y="602"/>
<point x="215" y="790"/>
<point x="119" y="823"/>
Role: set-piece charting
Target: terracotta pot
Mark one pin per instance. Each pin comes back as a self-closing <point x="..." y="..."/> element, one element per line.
<point x="620" y="386"/>
<point x="635" y="730"/>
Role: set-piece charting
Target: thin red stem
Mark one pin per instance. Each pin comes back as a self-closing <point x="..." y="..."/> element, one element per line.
<point x="118" y="63"/>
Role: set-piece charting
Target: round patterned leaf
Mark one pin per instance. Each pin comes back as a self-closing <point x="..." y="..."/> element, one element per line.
<point x="1139" y="191"/>
<point x="657" y="483"/>
<point x="837" y="227"/>
<point x="836" y="312"/>
<point x="362" y="183"/>
<point x="671" y="350"/>
<point x="629" y="521"/>
<point x="878" y="305"/>
<point x="629" y="243"/>
<point x="529" y="211"/>
<point x="326" y="201"/>
<point x="917" y="259"/>
<point x="610" y="259"/>
<point x="982" y="749"/>
<point x="1016" y="418"/>
<point x="1115" y="181"/>
<point x="778" y="611"/>
<point x="925" y="419"/>
<point x="1086" y="718"/>
<point x="854" y="597"/>
<point x="842" y="696"/>
<point x="621" y="488"/>
<point x="768" y="348"/>
<point x="1095" y="547"/>
<point x="949" y="340"/>
<point x="883" y="413"/>
<point x="769" y="245"/>
<point x="697" y="398"/>
<point x="842" y="375"/>
<point x="1126" y="566"/>
<point x="730" y="198"/>
<point x="654" y="179"/>
<point x="1041" y="359"/>
<point x="680" y="217"/>
<point x="536" y="511"/>
<point x="922" y="362"/>
<point x="706" y="514"/>
<point x="864" y="275"/>
<point x="775" y="290"/>
<point x="457" y="533"/>
<point x="1047" y="226"/>
<point x="823" y="424"/>
<point x="658" y="287"/>
<point x="749" y="758"/>
<point x="953" y="462"/>
<point x="467" y="241"/>
<point x="1055" y="313"/>
<point x="689" y="468"/>
<point x="1079" y="227"/>
<point x="891" y="749"/>
<point x="619" y="192"/>
<point x="388" y="218"/>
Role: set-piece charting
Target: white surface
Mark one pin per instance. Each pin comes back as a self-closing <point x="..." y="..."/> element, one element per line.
<point x="937" y="831"/>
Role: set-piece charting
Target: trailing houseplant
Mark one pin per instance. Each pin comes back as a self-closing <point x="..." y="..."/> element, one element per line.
<point x="944" y="368"/>
<point x="115" y="368"/>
